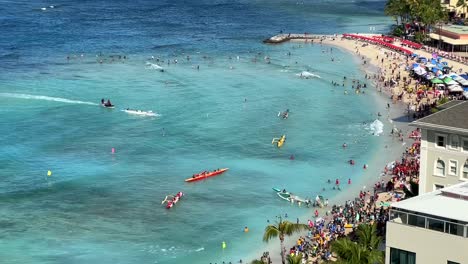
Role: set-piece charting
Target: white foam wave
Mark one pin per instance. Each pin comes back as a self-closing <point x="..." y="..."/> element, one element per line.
<point x="376" y="128"/>
<point x="45" y="98"/>
<point x="307" y="75"/>
<point x="154" y="66"/>
<point x="199" y="249"/>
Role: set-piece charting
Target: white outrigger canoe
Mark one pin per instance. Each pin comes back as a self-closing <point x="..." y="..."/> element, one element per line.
<point x="141" y="113"/>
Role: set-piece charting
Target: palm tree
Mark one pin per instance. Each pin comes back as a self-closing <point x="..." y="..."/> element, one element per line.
<point x="296" y="259"/>
<point x="282" y="229"/>
<point x="398" y="9"/>
<point x="464" y="4"/>
<point x="430" y="13"/>
<point x="362" y="252"/>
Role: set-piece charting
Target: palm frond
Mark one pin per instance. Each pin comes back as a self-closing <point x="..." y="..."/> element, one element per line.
<point x="271" y="231"/>
<point x="296" y="259"/>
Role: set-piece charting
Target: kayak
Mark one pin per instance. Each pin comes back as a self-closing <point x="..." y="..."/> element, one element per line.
<point x="205" y="175"/>
<point x="139" y="112"/>
<point x="175" y="198"/>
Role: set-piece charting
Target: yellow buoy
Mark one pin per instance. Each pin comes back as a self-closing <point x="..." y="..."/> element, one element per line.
<point x="224" y="245"/>
<point x="49" y="173"/>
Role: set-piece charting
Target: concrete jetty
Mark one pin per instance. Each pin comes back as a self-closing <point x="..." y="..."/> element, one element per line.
<point x="287" y="37"/>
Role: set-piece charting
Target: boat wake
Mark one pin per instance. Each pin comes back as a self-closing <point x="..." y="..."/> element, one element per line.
<point x="307" y="75"/>
<point x="152" y="66"/>
<point x="44" y="98"/>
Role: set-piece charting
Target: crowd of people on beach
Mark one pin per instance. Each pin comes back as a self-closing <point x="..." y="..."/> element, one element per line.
<point x="371" y="207"/>
<point x="367" y="208"/>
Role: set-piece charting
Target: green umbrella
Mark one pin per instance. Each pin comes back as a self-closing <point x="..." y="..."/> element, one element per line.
<point x="437" y="80"/>
<point x="448" y="80"/>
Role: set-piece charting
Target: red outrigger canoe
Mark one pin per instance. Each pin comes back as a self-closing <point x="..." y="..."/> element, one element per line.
<point x="205" y="175"/>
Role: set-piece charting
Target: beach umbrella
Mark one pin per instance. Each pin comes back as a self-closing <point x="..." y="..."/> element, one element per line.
<point x="436" y="80"/>
<point x="449" y="81"/>
<point x="461" y="81"/>
<point x="455" y="88"/>
<point x="464" y="76"/>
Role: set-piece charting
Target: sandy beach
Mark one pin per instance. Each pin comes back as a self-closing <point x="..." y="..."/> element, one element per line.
<point x="371" y="65"/>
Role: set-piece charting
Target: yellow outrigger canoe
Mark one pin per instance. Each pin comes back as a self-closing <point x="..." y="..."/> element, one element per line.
<point x="279" y="142"/>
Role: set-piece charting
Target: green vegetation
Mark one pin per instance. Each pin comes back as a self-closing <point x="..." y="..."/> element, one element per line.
<point x="463" y="3"/>
<point x="257" y="262"/>
<point x="282" y="229"/>
<point x="429" y="12"/>
<point x="297" y="259"/>
<point x="364" y="251"/>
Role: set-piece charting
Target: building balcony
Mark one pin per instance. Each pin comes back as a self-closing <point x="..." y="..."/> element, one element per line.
<point x="419" y="220"/>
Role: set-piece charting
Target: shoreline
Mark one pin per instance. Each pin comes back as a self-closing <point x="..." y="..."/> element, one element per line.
<point x="377" y="163"/>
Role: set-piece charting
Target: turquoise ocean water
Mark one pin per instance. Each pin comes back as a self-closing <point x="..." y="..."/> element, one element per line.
<point x="99" y="207"/>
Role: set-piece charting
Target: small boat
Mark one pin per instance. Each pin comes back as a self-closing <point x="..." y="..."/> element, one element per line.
<point x="205" y="174"/>
<point x="108" y="106"/>
<point x="284" y="114"/>
<point x="139" y="112"/>
<point x="283" y="194"/>
<point x="279" y="142"/>
<point x="175" y="198"/>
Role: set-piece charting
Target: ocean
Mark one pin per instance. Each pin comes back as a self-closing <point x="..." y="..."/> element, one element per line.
<point x="217" y="101"/>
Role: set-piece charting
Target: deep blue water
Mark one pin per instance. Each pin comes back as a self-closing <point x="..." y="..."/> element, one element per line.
<point x="99" y="207"/>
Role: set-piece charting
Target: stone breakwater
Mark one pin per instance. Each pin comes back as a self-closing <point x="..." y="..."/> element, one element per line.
<point x="280" y="38"/>
<point x="286" y="37"/>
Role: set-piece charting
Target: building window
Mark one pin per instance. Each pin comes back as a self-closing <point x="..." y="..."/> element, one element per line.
<point x="465" y="144"/>
<point x="453" y="167"/>
<point x="454" y="229"/>
<point x="465" y="170"/>
<point x="398" y="256"/>
<point x="454" y="142"/>
<point x="440" y="168"/>
<point x="435" y="224"/>
<point x="440" y="141"/>
<point x="416" y="220"/>
<point x="438" y="187"/>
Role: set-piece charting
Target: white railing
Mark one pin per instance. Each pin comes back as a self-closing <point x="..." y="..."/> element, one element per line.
<point x="427" y="222"/>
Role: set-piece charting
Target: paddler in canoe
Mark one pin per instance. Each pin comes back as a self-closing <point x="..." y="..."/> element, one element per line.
<point x="279" y="141"/>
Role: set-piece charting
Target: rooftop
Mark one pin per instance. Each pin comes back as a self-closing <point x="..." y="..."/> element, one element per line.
<point x="436" y="203"/>
<point x="458" y="29"/>
<point x="451" y="116"/>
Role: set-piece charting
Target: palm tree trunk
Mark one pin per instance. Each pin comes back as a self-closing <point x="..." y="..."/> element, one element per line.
<point x="282" y="251"/>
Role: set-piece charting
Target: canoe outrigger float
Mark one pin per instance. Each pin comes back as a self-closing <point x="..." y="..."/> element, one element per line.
<point x="279" y="141"/>
<point x="206" y="174"/>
